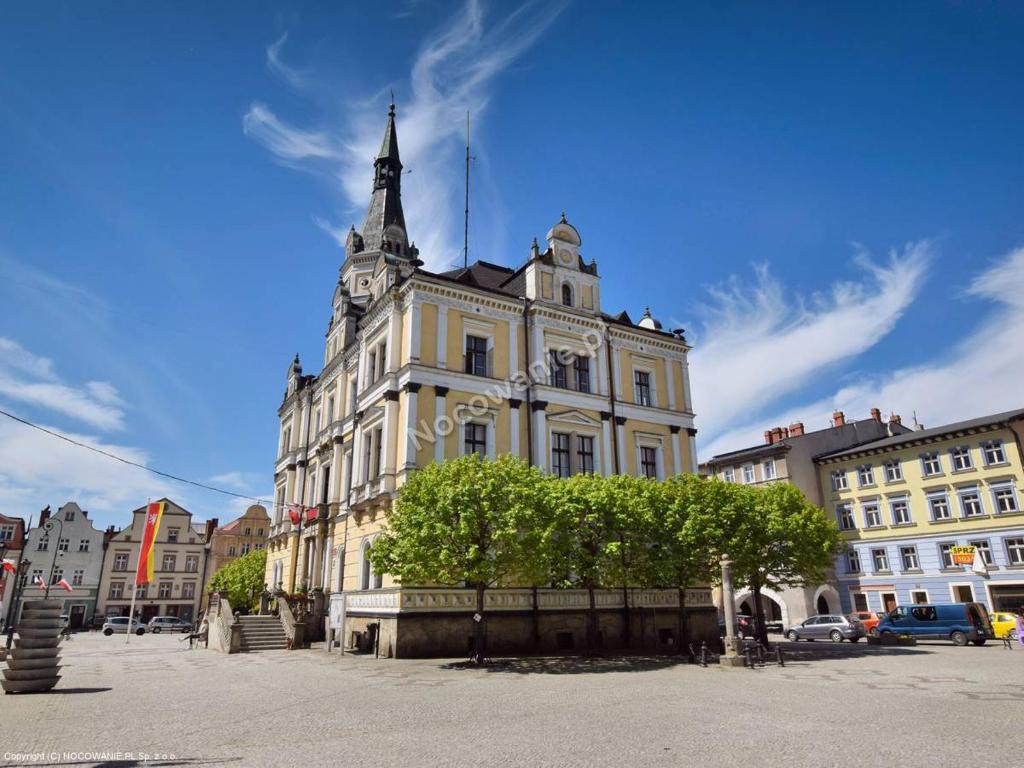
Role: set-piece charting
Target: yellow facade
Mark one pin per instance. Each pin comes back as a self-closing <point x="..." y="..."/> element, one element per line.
<point x="423" y="367"/>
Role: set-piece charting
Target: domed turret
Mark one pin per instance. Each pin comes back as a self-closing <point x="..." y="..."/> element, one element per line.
<point x="648" y="321"/>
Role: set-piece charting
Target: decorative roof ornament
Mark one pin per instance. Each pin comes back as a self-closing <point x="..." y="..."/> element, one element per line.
<point x="648" y="321"/>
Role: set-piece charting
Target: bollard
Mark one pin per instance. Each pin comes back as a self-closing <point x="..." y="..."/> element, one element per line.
<point x="778" y="654"/>
<point x="703" y="653"/>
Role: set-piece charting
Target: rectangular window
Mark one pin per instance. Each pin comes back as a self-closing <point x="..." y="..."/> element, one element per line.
<point x="191" y="563"/>
<point x="63" y="545"/>
<point x="116" y="590"/>
<point x="371" y="368"/>
<point x="172" y="535"/>
<point x="245" y="548"/>
<point x="946" y="555"/>
<point x="865" y="475"/>
<point x="58" y="574"/>
<point x="993" y="452"/>
<point x="382" y="360"/>
<point x="938" y="504"/>
<point x="169" y="562"/>
<point x="43" y="544"/>
<point x="1015" y="551"/>
<point x="853" y="561"/>
<point x="984" y="551"/>
<point x="83" y="545"/>
<point x="880" y="560"/>
<point x="140" y="591"/>
<point x="908" y="556"/>
<point x="476" y="439"/>
<point x="232" y="550"/>
<point x="188" y="590"/>
<point x="970" y="502"/>
<point x="642" y="387"/>
<point x="165" y="590"/>
<point x="893" y="471"/>
<point x="558" y="374"/>
<point x="1004" y="498"/>
<point x="872" y="515"/>
<point x="900" y="510"/>
<point x="585" y="454"/>
<point x="476" y="355"/>
<point x="729" y="475"/>
<point x="7" y="532"/>
<point x="860" y="601"/>
<point x="748" y="474"/>
<point x="649" y="461"/>
<point x="769" y="469"/>
<point x="378" y="452"/>
<point x="76" y="577"/>
<point x="844" y="513"/>
<point x="839" y="481"/>
<point x="69" y="516"/>
<point x="581" y="371"/>
<point x="961" y="458"/>
<point x="560" y="454"/>
<point x="930" y="464"/>
<point x="120" y="561"/>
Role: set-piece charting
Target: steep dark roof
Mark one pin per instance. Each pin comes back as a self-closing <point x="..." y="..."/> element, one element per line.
<point x="481" y="274"/>
<point x="389" y="146"/>
<point x="913" y="436"/>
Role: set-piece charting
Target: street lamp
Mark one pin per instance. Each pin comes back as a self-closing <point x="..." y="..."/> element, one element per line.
<point x="48" y="527"/>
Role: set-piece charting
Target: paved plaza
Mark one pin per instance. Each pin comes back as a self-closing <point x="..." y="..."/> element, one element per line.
<point x="934" y="705"/>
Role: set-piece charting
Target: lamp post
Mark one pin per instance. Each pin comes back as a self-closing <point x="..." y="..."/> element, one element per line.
<point x="729" y="608"/>
<point x="48" y="527"/>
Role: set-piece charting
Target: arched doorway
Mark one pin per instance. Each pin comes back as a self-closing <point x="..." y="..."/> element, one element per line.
<point x="771" y="603"/>
<point x="822" y="604"/>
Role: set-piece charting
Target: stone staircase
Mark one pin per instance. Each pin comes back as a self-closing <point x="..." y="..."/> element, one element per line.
<point x="262" y="633"/>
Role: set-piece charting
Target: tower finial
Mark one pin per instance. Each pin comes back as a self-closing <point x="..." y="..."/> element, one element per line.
<point x="391" y="109"/>
<point x="563" y="221"/>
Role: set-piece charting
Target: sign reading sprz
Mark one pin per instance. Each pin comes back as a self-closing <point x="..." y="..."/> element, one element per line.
<point x="963" y="555"/>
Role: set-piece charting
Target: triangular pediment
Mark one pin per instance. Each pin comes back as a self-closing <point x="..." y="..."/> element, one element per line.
<point x="574" y="417"/>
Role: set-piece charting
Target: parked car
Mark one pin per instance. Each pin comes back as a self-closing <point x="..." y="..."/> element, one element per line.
<point x="827" y="627"/>
<point x="744" y="626"/>
<point x="869" y="619"/>
<point x="1003" y="624"/>
<point x="120" y="624"/>
<point x="169" y="624"/>
<point x="959" y="622"/>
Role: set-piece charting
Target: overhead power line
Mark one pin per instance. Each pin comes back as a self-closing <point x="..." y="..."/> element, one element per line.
<point x="136" y="464"/>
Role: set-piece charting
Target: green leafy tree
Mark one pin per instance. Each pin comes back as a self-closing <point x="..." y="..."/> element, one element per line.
<point x="469" y="521"/>
<point x="242" y="579"/>
<point x="680" y="537"/>
<point x="775" y="538"/>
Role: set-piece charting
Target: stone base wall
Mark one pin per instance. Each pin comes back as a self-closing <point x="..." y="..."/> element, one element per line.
<point x="432" y="635"/>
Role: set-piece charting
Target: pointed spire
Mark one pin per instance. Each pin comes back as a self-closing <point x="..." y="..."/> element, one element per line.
<point x="389" y="146"/>
<point x="385" y="210"/>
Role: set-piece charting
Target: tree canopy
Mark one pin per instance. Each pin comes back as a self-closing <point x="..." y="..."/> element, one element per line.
<point x="242" y="579"/>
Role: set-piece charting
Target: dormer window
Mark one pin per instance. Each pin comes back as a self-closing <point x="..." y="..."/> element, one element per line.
<point x="567" y="294"/>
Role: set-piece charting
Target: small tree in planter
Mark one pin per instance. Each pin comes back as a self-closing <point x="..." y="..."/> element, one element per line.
<point x="242" y="579"/>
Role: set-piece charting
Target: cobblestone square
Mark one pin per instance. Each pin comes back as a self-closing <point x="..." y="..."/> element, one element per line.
<point x="830" y="705"/>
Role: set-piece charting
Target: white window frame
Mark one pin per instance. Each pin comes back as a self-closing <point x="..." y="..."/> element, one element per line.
<point x="870" y="473"/>
<point x="865" y="506"/>
<point x="480" y="331"/>
<point x="935" y="496"/>
<point x="905" y="500"/>
<point x="995" y="444"/>
<point x="885" y="560"/>
<point x="928" y="456"/>
<point x="837" y="475"/>
<point x="1019" y="549"/>
<point x="986" y="547"/>
<point x="488" y="419"/>
<point x="893" y="476"/>
<point x="729" y="475"/>
<point x="962" y="454"/>
<point x="927" y="597"/>
<point x="649" y="441"/>
<point x="952" y="591"/>
<point x="966" y="491"/>
<point x="768" y="469"/>
<point x="913" y="553"/>
<point x="846" y="506"/>
<point x="853" y="555"/>
<point x="1009" y="485"/>
<point x="753" y="474"/>
<point x="854" y="594"/>
<point x="943" y="566"/>
<point x="652" y="385"/>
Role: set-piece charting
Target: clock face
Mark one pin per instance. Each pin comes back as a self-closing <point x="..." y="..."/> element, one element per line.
<point x="565" y="257"/>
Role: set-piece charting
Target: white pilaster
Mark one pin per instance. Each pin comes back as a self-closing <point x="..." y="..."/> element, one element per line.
<point x="606" y="454"/>
<point x="390" y="436"/>
<point x="439" y="421"/>
<point x="442" y="336"/>
<point x="602" y="368"/>
<point x="617" y="375"/>
<point x="513" y="348"/>
<point x="414" y="333"/>
<point x="540" y="439"/>
<point x="513" y="418"/>
<point x="411" y="408"/>
<point x="670" y="396"/>
<point x="394" y="340"/>
<point x="620" y="434"/>
<point x="687" y="402"/>
<point x="693" y="454"/>
<point x="677" y="454"/>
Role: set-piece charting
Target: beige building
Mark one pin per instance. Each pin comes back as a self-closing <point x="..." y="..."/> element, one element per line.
<point x="239" y="537"/>
<point x="180" y="567"/>
<point x="422" y="366"/>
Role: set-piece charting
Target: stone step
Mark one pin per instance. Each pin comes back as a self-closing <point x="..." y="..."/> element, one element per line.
<point x="268" y="634"/>
<point x="264" y="646"/>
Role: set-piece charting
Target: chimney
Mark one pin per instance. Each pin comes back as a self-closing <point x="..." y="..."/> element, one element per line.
<point x="785" y="431"/>
<point x="895" y="418"/>
<point x="876" y="415"/>
<point x="796" y="429"/>
<point x="211" y="526"/>
<point x="44" y="515"/>
<point x="838" y="419"/>
<point x="767" y="437"/>
<point x="777" y="434"/>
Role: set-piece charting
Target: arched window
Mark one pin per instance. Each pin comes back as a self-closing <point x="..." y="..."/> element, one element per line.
<point x="366" y="569"/>
<point x="339" y="576"/>
<point x="567" y="294"/>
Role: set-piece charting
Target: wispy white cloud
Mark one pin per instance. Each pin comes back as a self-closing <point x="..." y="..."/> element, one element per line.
<point x="338" y="234"/>
<point x="761" y="343"/>
<point x="31" y="379"/>
<point x="976" y="374"/>
<point x="298" y="79"/>
<point x="453" y="72"/>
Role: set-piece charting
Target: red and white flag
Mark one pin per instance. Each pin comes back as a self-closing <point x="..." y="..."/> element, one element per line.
<point x="38" y="581"/>
<point x="10" y="566"/>
<point x="63" y="583"/>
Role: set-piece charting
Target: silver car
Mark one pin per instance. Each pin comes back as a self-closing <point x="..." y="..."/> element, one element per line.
<point x="827" y="627"/>
<point x="120" y="624"/>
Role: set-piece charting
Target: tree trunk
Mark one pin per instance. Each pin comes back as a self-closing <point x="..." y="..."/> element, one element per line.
<point x="760" y="630"/>
<point x="479" y="651"/>
<point x="627" y="630"/>
<point x="536" y="621"/>
<point x="683" y="642"/>
<point x="591" y="621"/>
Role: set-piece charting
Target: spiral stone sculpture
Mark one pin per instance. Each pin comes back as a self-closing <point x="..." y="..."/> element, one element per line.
<point x="34" y="661"/>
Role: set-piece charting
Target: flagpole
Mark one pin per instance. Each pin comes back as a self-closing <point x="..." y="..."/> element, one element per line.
<point x="135" y="581"/>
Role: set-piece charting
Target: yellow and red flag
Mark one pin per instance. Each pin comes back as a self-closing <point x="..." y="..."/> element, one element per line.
<point x="147" y="555"/>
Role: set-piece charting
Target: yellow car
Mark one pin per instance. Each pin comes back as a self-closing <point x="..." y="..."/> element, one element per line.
<point x="1003" y="623"/>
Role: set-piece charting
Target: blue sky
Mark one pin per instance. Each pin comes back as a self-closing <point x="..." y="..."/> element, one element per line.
<point x="827" y="196"/>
